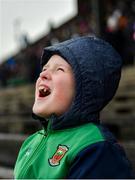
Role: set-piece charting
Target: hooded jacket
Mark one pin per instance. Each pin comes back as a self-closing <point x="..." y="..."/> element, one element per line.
<point x="76" y="146"/>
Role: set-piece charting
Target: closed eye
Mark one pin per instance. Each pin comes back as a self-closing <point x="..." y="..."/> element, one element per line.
<point x="60" y="69"/>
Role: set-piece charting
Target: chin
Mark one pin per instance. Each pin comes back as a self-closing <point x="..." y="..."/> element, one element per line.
<point x="40" y="112"/>
<point x="37" y="111"/>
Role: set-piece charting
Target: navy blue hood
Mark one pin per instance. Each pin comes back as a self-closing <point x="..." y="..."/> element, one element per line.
<point x="97" y="69"/>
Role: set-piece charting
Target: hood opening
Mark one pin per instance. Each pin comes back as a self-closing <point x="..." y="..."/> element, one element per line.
<point x="97" y="68"/>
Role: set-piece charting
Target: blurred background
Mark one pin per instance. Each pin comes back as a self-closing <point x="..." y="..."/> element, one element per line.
<point x="26" y="27"/>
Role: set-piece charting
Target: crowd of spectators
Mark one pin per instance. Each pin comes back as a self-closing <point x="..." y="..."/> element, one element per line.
<point x="119" y="30"/>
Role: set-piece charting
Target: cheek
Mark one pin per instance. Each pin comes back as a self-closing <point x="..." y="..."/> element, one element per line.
<point x="60" y="91"/>
<point x="65" y="90"/>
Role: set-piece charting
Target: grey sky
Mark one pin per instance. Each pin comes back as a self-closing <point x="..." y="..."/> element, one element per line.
<point x="31" y="17"/>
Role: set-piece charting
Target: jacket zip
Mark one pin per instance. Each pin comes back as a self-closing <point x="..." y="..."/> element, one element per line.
<point x="35" y="153"/>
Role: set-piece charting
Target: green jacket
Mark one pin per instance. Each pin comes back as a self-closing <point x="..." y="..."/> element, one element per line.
<point x="49" y="154"/>
<point x="75" y="146"/>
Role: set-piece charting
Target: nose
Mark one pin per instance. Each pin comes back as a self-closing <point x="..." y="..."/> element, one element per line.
<point x="45" y="75"/>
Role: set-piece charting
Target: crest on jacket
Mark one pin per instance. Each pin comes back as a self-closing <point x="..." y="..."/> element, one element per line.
<point x="58" y="155"/>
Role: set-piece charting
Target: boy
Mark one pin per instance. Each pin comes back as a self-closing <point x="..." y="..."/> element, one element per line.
<point x="79" y="77"/>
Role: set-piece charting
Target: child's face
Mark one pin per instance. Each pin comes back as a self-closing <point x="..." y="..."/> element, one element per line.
<point x="55" y="88"/>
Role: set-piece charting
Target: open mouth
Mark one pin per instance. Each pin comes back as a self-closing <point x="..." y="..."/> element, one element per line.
<point x="44" y="91"/>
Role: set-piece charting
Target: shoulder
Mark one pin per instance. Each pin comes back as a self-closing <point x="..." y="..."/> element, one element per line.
<point x="101" y="160"/>
<point x="82" y="137"/>
<point x="89" y="132"/>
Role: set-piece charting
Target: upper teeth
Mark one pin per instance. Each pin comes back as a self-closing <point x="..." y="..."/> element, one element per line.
<point x="42" y="88"/>
<point x="45" y="91"/>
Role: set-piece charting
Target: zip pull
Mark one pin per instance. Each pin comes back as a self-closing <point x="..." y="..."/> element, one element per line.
<point x="48" y="126"/>
<point x="50" y="121"/>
